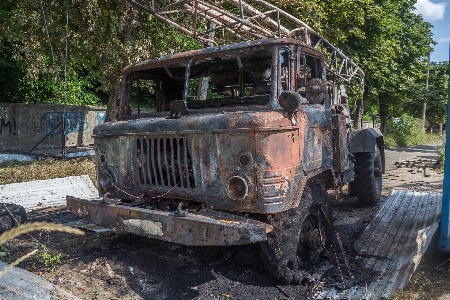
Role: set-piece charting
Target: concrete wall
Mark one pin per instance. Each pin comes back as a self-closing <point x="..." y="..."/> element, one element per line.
<point x="23" y="125"/>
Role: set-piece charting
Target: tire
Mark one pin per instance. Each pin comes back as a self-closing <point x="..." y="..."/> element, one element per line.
<point x="11" y="215"/>
<point x="298" y="237"/>
<point x="368" y="177"/>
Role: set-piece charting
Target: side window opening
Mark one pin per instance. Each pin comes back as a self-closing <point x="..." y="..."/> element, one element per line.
<point x="284" y="70"/>
<point x="309" y="78"/>
<point x="143" y="96"/>
<point x="233" y="79"/>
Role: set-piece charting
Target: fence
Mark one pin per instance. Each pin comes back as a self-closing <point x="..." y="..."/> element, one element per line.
<point x="22" y="126"/>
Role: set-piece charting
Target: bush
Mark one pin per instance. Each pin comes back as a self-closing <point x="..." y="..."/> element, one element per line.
<point x="404" y="130"/>
<point x="408" y="131"/>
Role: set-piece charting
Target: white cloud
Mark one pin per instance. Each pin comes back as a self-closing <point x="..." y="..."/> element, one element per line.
<point x="444" y="40"/>
<point x="429" y="10"/>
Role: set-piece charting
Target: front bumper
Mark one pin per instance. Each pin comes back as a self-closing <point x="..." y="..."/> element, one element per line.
<point x="204" y="228"/>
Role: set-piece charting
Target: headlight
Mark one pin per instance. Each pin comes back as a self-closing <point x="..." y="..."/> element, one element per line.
<point x="245" y="158"/>
<point x="237" y="187"/>
<point x="105" y="179"/>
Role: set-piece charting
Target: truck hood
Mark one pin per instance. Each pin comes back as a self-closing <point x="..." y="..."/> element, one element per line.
<point x="224" y="121"/>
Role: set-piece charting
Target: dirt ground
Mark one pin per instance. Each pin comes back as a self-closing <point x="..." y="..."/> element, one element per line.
<point x="107" y="265"/>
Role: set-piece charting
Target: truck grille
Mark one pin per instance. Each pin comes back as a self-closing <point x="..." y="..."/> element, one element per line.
<point x="165" y="162"/>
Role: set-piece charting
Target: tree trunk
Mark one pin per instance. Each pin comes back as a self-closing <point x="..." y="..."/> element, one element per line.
<point x="113" y="101"/>
<point x="114" y="80"/>
<point x="359" y="110"/>
<point x="383" y="112"/>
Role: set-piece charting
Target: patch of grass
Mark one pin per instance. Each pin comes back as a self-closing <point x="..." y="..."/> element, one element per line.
<point x="35" y="226"/>
<point x="47" y="168"/>
<point x="420" y="138"/>
<point x="441" y="158"/>
<point x="3" y="252"/>
<point x="419" y="287"/>
<point x="48" y="259"/>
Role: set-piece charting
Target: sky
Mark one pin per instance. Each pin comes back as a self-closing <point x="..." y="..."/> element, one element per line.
<point x="438" y="14"/>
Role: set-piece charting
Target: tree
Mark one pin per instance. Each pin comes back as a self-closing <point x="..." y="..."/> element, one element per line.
<point x="390" y="53"/>
<point x="103" y="37"/>
<point x="11" y="73"/>
<point x="435" y="95"/>
<point x="384" y="37"/>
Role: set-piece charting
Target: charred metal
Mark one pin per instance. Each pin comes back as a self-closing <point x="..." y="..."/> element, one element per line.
<point x="217" y="146"/>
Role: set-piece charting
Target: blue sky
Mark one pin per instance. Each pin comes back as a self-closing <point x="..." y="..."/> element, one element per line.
<point x="438" y="14"/>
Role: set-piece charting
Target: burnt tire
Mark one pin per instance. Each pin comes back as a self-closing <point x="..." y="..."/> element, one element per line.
<point x="11" y="215"/>
<point x="368" y="177"/>
<point x="298" y="237"/>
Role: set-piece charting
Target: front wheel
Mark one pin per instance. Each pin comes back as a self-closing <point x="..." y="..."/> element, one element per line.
<point x="298" y="237"/>
<point x="368" y="177"/>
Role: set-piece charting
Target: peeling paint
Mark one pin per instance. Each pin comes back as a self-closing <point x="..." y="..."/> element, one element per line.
<point x="144" y="226"/>
<point x="421" y="240"/>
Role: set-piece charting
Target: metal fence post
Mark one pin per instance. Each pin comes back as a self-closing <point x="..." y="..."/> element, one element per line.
<point x="445" y="225"/>
<point x="63" y="136"/>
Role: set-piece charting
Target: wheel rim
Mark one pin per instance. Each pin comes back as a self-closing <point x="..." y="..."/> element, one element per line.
<point x="311" y="240"/>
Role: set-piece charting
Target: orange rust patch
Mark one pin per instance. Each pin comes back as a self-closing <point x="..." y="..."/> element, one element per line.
<point x="222" y="166"/>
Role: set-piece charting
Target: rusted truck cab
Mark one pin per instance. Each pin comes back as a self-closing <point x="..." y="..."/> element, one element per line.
<point x="234" y="135"/>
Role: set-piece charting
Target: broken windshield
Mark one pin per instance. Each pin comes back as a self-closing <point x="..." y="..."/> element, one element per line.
<point x="231" y="79"/>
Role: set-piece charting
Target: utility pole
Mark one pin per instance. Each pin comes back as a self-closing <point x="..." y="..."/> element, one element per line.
<point x="424" y="110"/>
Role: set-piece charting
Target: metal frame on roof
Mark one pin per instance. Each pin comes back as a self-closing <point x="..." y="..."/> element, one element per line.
<point x="234" y="21"/>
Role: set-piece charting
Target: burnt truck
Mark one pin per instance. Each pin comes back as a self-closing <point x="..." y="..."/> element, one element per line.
<point x="241" y="146"/>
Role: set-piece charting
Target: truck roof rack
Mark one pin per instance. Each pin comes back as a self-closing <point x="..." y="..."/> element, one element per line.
<point x="231" y="21"/>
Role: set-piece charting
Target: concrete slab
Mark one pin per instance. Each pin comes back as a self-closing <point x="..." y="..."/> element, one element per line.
<point x="19" y="284"/>
<point x="393" y="243"/>
<point x="40" y="194"/>
<point x="18" y="157"/>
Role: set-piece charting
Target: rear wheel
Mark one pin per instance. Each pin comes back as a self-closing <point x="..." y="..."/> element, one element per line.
<point x="368" y="177"/>
<point x="298" y="237"/>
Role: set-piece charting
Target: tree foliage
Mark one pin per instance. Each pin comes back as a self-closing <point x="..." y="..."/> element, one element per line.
<point x="435" y="95"/>
<point x="103" y="37"/>
<point x="384" y="37"/>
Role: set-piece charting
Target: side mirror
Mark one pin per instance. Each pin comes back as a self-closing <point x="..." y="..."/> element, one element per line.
<point x="291" y="101"/>
<point x="315" y="91"/>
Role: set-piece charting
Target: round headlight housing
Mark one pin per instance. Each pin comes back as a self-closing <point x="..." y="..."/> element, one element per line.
<point x="105" y="179"/>
<point x="245" y="158"/>
<point x="237" y="187"/>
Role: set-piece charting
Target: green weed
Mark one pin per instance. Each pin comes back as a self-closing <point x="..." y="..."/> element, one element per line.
<point x="48" y="259"/>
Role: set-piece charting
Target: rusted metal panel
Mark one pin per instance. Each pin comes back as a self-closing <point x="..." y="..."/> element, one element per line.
<point x="202" y="228"/>
<point x="238" y="150"/>
<point x="195" y="156"/>
<point x="340" y="149"/>
<point x="318" y="154"/>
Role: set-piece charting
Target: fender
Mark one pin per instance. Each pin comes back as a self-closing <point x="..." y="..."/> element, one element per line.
<point x="364" y="140"/>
